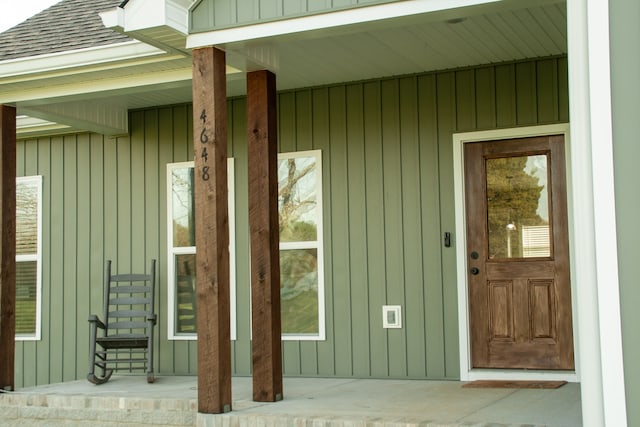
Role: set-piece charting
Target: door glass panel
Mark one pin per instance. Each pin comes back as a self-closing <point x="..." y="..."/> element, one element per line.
<point x="518" y="207"/>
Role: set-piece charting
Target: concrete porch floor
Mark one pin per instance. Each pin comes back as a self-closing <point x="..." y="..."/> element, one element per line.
<point x="312" y="402"/>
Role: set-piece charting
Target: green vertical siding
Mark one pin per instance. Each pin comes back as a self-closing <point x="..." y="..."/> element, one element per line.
<point x="387" y="198"/>
<point x="83" y="259"/>
<point x="357" y="234"/>
<point x="625" y="93"/>
<point x="431" y="250"/>
<point x="320" y="135"/>
<point x="42" y="350"/>
<point x="208" y="15"/>
<point x="375" y="223"/>
<point x="446" y="125"/>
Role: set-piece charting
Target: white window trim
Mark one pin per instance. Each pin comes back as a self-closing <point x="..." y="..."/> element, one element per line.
<point x="171" y="251"/>
<point x="37" y="336"/>
<point x="318" y="244"/>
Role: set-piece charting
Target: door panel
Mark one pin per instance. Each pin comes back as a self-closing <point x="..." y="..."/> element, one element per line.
<point x="518" y="254"/>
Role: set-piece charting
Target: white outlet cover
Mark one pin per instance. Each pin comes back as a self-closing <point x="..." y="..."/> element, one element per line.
<point x="391" y="316"/>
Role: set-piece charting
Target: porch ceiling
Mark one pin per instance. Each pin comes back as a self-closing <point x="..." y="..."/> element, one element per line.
<point x="489" y="33"/>
<point x="493" y="32"/>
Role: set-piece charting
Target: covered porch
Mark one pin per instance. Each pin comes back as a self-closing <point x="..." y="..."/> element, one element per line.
<point x="453" y="105"/>
<point x="172" y="400"/>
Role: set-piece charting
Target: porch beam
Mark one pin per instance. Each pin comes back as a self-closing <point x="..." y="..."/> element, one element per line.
<point x="264" y="231"/>
<point x="212" y="225"/>
<point x="7" y="246"/>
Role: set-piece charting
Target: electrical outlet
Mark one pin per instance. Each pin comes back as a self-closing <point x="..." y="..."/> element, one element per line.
<point x="391" y="316"/>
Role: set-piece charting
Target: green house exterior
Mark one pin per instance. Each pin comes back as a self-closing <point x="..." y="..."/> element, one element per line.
<point x="625" y="64"/>
<point x="388" y="183"/>
<point x="385" y="145"/>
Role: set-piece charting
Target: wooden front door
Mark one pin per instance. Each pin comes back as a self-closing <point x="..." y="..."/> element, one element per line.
<point x="518" y="254"/>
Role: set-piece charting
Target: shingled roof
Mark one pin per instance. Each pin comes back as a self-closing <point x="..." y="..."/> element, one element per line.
<point x="67" y="25"/>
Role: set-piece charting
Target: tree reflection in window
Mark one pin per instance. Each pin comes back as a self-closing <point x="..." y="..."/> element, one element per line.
<point x="181" y="244"/>
<point x="297" y="199"/>
<point x="28" y="197"/>
<point x="299" y="218"/>
<point x="517" y="207"/>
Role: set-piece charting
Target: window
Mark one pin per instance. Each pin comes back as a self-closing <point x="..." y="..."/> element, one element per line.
<point x="301" y="272"/>
<point x="518" y="206"/>
<point x="28" y="257"/>
<point x="182" y="250"/>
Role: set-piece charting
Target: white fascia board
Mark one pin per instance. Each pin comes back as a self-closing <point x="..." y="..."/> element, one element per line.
<point x="327" y="20"/>
<point x="110" y="86"/>
<point x="138" y="15"/>
<point x="33" y="65"/>
<point x="113" y="18"/>
<point x="178" y="14"/>
<point x="27" y="127"/>
<point x="142" y="14"/>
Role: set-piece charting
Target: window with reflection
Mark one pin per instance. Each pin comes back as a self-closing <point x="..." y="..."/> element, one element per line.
<point x="300" y="218"/>
<point x="28" y="253"/>
<point x="518" y="207"/>
<point x="181" y="243"/>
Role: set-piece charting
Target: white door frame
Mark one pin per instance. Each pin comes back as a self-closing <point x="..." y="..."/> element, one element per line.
<point x="459" y="139"/>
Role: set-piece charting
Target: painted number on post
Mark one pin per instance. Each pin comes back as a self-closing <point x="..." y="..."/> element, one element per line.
<point x="204" y="139"/>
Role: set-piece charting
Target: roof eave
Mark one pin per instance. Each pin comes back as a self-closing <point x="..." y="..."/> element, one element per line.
<point x="161" y="23"/>
<point x="100" y="56"/>
<point x="31" y="127"/>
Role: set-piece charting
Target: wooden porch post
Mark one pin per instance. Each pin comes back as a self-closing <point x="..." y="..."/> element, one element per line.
<point x="7" y="246"/>
<point x="263" y="225"/>
<point x="212" y="230"/>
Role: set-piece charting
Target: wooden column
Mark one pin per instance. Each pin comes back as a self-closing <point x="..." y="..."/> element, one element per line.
<point x="263" y="225"/>
<point x="212" y="230"/>
<point x="7" y="246"/>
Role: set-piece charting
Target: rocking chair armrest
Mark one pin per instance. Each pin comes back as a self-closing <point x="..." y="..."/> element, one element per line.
<point x="152" y="318"/>
<point x="94" y="319"/>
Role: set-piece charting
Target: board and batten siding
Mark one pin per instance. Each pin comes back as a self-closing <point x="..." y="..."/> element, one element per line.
<point x="625" y="95"/>
<point x="207" y="15"/>
<point x="387" y="199"/>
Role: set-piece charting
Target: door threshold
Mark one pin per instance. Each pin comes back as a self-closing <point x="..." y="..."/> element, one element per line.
<point x="517" y="374"/>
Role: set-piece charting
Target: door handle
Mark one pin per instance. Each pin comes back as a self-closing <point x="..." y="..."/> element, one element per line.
<point x="475" y="270"/>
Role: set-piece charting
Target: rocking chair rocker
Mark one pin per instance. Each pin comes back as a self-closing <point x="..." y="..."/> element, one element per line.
<point x="129" y="319"/>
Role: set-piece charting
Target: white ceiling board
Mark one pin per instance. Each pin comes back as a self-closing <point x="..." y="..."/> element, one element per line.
<point x="413" y="46"/>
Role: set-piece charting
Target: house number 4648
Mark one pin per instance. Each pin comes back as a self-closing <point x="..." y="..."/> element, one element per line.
<point x="204" y="139"/>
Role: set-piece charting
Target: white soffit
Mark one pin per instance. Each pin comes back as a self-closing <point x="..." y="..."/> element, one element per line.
<point x="99" y="117"/>
<point x="329" y="20"/>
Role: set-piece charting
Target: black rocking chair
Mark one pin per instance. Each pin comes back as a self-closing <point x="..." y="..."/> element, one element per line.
<point x="129" y="319"/>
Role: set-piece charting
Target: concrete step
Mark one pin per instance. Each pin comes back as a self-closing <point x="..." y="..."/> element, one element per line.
<point x="25" y="409"/>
